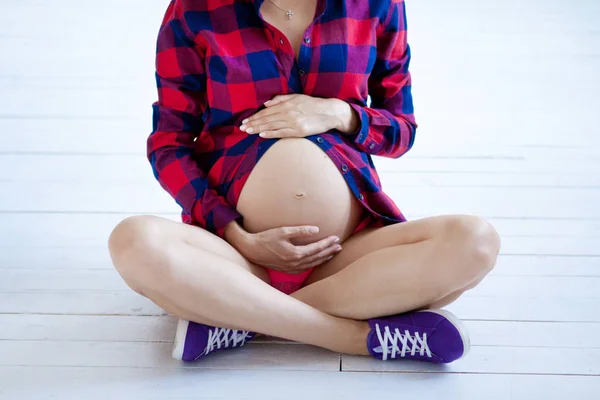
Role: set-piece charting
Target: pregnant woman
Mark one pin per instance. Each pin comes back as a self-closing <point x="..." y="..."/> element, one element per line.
<point x="263" y="135"/>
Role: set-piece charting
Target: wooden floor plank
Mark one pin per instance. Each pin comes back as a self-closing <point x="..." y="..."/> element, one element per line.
<point x="257" y="356"/>
<point x="158" y="384"/>
<point x="92" y="328"/>
<point x="254" y="356"/>
<point x="109" y="280"/>
<point x="61" y="136"/>
<point x="525" y="309"/>
<point x="99" y="303"/>
<point x="16" y="257"/>
<point x="497" y="202"/>
<point x="406" y="172"/>
<point x="499" y="360"/>
<point x="97" y="257"/>
<point x="42" y="230"/>
<point x="467" y="307"/>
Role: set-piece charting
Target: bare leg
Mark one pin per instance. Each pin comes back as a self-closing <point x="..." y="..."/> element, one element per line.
<point x="380" y="272"/>
<point x="166" y="262"/>
<point x="403" y="267"/>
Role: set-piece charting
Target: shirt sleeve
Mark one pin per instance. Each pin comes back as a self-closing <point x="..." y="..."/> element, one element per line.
<point x="387" y="128"/>
<point x="178" y="120"/>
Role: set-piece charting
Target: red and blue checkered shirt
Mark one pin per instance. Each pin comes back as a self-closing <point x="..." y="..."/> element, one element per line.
<point x="217" y="63"/>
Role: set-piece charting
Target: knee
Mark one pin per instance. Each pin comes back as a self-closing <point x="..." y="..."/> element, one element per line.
<point x="476" y="242"/>
<point x="136" y="246"/>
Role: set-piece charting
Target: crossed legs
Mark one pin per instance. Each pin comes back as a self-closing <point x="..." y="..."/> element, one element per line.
<point x="197" y="276"/>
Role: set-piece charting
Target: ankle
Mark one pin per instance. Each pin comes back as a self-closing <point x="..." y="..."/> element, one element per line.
<point x="359" y="338"/>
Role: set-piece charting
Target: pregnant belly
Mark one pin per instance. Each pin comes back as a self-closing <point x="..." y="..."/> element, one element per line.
<point x="296" y="183"/>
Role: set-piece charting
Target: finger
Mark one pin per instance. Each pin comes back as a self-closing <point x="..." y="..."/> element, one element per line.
<point x="264" y="119"/>
<point x="281" y="133"/>
<point x="323" y="254"/>
<point x="293" y="269"/>
<point x="255" y="120"/>
<point x="316" y="247"/>
<point x="272" y="123"/>
<point x="296" y="270"/>
<point x="280" y="98"/>
<point x="288" y="232"/>
<point x="316" y="263"/>
<point x="250" y="126"/>
<point x="265" y="112"/>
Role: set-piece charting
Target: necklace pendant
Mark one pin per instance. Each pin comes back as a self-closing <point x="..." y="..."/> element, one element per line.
<point x="290" y="13"/>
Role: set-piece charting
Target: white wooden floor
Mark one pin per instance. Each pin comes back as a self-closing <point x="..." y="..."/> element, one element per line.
<point x="506" y="95"/>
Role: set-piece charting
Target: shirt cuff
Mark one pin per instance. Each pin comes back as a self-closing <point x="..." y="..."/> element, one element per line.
<point x="218" y="219"/>
<point x="228" y="214"/>
<point x="361" y="135"/>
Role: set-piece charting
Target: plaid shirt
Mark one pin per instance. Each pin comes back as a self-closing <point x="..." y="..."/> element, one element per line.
<point x="218" y="61"/>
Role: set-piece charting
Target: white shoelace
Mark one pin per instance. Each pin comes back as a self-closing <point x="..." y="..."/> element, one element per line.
<point x="390" y="342"/>
<point x="221" y="337"/>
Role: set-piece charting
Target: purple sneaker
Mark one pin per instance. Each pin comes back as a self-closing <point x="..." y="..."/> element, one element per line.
<point x="430" y="335"/>
<point x="194" y="340"/>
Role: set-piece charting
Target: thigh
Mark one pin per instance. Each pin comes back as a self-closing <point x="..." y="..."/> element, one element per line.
<point x="197" y="237"/>
<point x="371" y="239"/>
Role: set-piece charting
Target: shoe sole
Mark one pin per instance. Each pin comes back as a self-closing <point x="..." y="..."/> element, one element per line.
<point x="460" y="327"/>
<point x="179" y="342"/>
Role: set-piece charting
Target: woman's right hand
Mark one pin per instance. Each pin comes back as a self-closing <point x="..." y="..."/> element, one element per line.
<point x="273" y="249"/>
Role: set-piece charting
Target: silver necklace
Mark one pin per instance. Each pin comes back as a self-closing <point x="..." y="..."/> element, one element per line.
<point x="289" y="13"/>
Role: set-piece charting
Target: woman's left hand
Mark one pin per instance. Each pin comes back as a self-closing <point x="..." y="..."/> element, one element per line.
<point x="299" y="115"/>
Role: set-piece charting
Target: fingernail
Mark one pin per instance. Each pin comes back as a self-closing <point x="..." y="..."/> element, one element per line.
<point x="339" y="248"/>
<point x="244" y="121"/>
<point x="314" y="229"/>
<point x="250" y="130"/>
<point x="243" y="127"/>
<point x="329" y="258"/>
<point x="336" y="240"/>
<point x="267" y="102"/>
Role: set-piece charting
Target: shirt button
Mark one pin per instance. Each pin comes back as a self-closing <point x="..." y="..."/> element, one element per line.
<point x="360" y="196"/>
<point x="306" y="40"/>
<point x="320" y="139"/>
<point x="280" y="41"/>
<point x="344" y="167"/>
<point x="372" y="145"/>
<point x="301" y="72"/>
